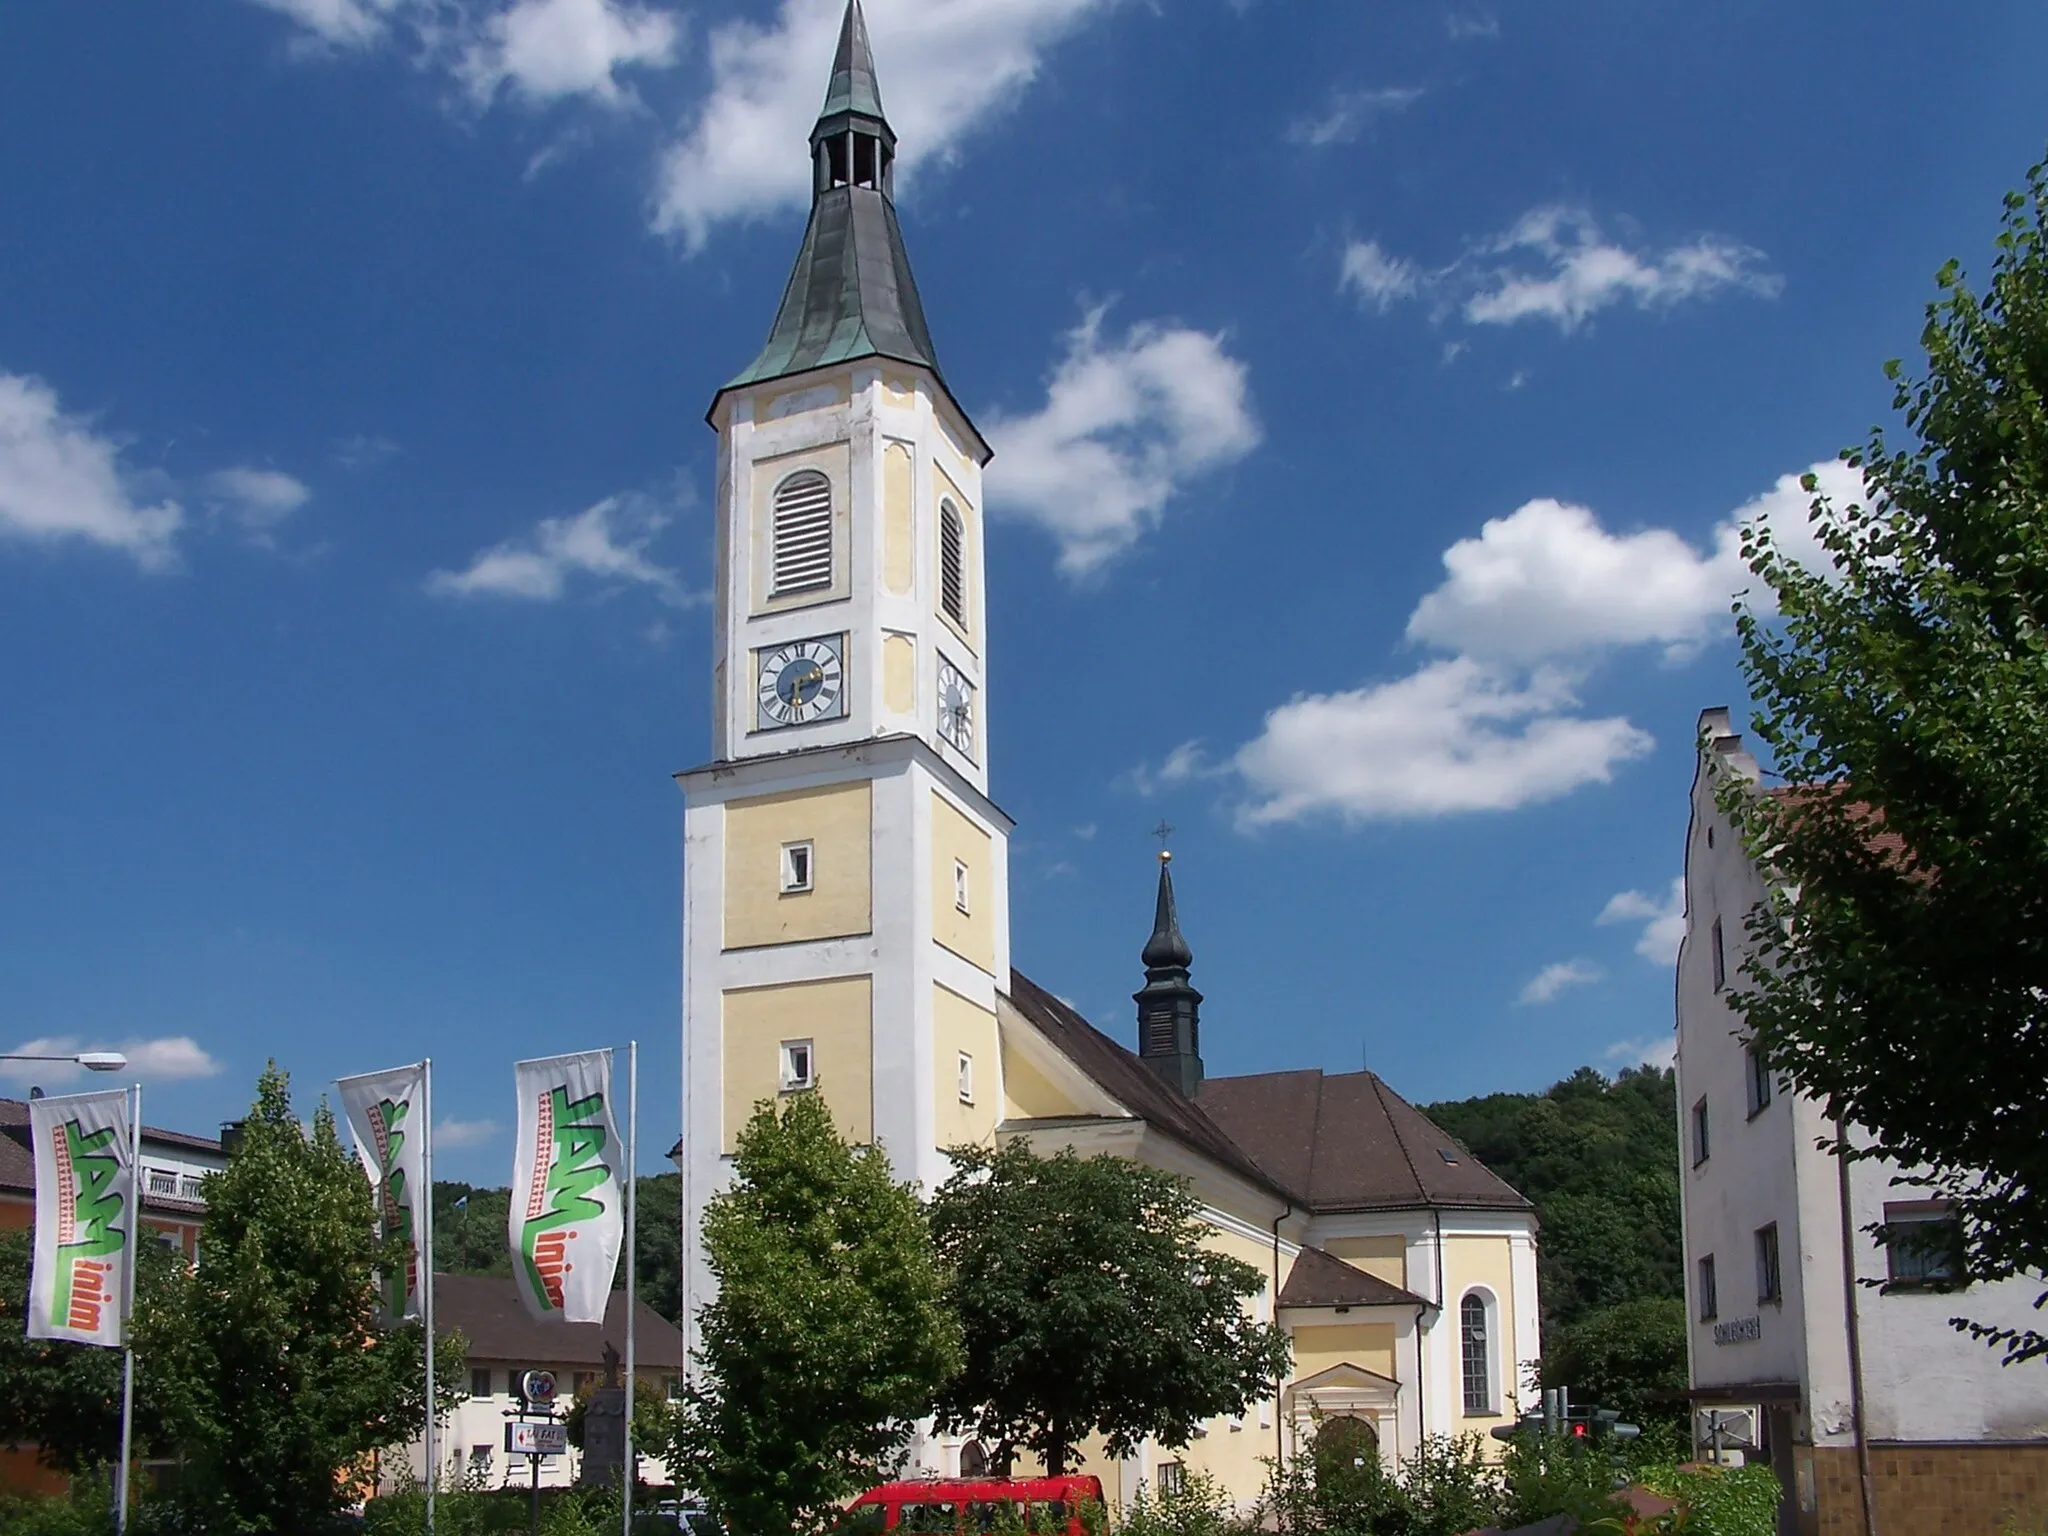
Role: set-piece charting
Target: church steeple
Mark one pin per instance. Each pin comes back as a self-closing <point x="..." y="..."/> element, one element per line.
<point x="851" y="295"/>
<point x="1169" y="1007"/>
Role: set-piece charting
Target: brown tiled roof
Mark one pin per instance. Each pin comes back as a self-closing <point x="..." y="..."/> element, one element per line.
<point x="1328" y="1143"/>
<point x="1129" y="1081"/>
<point x="1320" y="1280"/>
<point x="1348" y="1142"/>
<point x="487" y="1311"/>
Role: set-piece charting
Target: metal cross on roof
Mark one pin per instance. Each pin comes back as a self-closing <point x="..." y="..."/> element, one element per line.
<point x="1163" y="831"/>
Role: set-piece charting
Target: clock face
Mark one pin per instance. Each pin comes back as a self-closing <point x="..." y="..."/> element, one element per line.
<point x="956" y="707"/>
<point x="801" y="682"/>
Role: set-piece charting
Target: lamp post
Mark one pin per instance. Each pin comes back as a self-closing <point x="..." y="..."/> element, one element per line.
<point x="92" y="1061"/>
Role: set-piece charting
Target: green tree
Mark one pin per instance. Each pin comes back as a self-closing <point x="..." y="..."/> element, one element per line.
<point x="1902" y="978"/>
<point x="829" y="1334"/>
<point x="63" y="1398"/>
<point x="1090" y="1305"/>
<point x="1629" y="1357"/>
<point x="277" y="1379"/>
<point x="1599" y="1161"/>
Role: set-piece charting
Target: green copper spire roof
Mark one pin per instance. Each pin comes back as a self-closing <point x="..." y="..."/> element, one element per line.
<point x="853" y="87"/>
<point x="851" y="295"/>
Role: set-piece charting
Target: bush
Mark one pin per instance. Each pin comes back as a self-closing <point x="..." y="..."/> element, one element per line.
<point x="1742" y="1501"/>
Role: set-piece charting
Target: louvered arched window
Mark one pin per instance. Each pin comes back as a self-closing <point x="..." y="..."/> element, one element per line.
<point x="952" y="564"/>
<point x="803" y="533"/>
<point x="1473" y="1352"/>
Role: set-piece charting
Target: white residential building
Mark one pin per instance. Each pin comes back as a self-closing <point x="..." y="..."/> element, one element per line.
<point x="1840" y="1345"/>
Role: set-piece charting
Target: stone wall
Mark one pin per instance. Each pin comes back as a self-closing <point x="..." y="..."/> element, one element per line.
<point x="1927" y="1490"/>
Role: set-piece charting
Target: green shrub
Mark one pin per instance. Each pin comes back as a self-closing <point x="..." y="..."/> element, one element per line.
<point x="1739" y="1501"/>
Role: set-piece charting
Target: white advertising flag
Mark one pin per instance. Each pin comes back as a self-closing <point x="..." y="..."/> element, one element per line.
<point x="387" y="1112"/>
<point x="566" y="1222"/>
<point x="85" y="1200"/>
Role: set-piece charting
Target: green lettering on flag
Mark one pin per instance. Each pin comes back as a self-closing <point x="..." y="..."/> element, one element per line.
<point x="96" y="1205"/>
<point x="577" y="1169"/>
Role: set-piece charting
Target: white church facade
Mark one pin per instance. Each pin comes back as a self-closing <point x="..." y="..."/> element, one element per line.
<point x="846" y="876"/>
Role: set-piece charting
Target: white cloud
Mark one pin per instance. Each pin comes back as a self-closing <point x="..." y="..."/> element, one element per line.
<point x="1548" y="580"/>
<point x="61" y="480"/>
<point x="947" y="67"/>
<point x="1349" y="114"/>
<point x="1659" y="1051"/>
<point x="337" y="23"/>
<point x="1453" y="736"/>
<point x="363" y="451"/>
<point x="452" y="1134"/>
<point x="1556" y="265"/>
<point x="1663" y="921"/>
<point x="1580" y="272"/>
<point x="607" y="541"/>
<point x="170" y="1058"/>
<point x="258" y="499"/>
<point x="1126" y="423"/>
<point x="1379" y="278"/>
<point x="548" y="49"/>
<point x="1476" y="25"/>
<point x="1562" y="976"/>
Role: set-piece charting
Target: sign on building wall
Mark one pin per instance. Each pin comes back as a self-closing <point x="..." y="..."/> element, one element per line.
<point x="387" y="1112"/>
<point x="566" y="1222"/>
<point x="85" y="1202"/>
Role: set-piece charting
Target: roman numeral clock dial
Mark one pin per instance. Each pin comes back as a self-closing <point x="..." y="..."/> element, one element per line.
<point x="800" y="682"/>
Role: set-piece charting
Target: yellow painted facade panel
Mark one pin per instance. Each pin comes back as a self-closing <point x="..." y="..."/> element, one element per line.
<point x="836" y="1016"/>
<point x="836" y="821"/>
<point x="1369" y="1346"/>
<point x="1486" y="1261"/>
<point x="1028" y="1094"/>
<point x="970" y="550"/>
<point x="899" y="673"/>
<point x="899" y="541"/>
<point x="960" y="1026"/>
<point x="1386" y="1257"/>
<point x="956" y="840"/>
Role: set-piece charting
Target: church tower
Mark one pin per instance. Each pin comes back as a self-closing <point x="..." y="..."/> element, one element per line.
<point x="845" y="875"/>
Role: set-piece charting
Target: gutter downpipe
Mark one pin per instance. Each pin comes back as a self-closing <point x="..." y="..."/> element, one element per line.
<point x="1279" y="1426"/>
<point x="1436" y="1221"/>
<point x="1865" y="1483"/>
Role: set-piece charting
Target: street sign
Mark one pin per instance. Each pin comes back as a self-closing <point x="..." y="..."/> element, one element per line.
<point x="524" y="1439"/>
<point x="538" y="1388"/>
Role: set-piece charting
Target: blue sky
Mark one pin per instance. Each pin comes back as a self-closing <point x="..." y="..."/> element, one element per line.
<point x="1375" y="389"/>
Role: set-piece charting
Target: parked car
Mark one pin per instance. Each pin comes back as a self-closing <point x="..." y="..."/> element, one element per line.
<point x="677" y="1517"/>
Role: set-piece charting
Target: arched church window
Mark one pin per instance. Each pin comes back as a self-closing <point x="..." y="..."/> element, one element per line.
<point x="802" y="534"/>
<point x="952" y="564"/>
<point x="1472" y="1350"/>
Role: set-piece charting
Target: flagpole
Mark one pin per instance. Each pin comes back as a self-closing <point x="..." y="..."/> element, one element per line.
<point x="423" y="1202"/>
<point x="138" y="1184"/>
<point x="632" y="1266"/>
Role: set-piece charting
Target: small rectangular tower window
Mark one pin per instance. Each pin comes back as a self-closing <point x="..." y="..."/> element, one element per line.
<point x="1720" y="959"/>
<point x="960" y="886"/>
<point x="796" y="867"/>
<point x="966" y="1073"/>
<point x="1769" y="1286"/>
<point x="1699" y="1133"/>
<point x="799" y="1066"/>
<point x="952" y="563"/>
<point x="1710" y="1304"/>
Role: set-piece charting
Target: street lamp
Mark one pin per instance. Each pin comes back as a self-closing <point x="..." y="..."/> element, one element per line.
<point x="92" y="1061"/>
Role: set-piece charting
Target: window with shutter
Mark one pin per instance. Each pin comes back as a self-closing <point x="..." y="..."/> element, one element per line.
<point x="952" y="564"/>
<point x="803" y="533"/>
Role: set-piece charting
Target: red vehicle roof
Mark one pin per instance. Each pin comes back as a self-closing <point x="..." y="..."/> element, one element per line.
<point x="976" y="1490"/>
